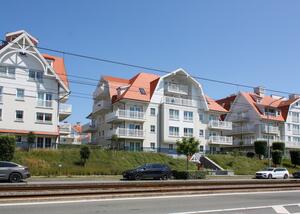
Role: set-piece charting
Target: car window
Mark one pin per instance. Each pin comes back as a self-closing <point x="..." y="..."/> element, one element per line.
<point x="7" y="164"/>
<point x="156" y="166"/>
<point x="268" y="169"/>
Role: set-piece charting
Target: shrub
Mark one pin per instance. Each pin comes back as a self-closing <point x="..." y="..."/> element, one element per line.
<point x="295" y="157"/>
<point x="250" y="154"/>
<point x="277" y="157"/>
<point x="84" y="154"/>
<point x="7" y="147"/>
<point x="192" y="174"/>
<point x="261" y="148"/>
<point x="278" y="146"/>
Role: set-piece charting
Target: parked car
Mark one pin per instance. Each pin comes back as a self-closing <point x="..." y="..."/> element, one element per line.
<point x="296" y="174"/>
<point x="13" y="172"/>
<point x="273" y="173"/>
<point x="147" y="171"/>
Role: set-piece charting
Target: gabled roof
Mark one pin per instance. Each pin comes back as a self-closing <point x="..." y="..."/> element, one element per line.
<point x="145" y="81"/>
<point x="34" y="40"/>
<point x="59" y="67"/>
<point x="214" y="106"/>
<point x="227" y="102"/>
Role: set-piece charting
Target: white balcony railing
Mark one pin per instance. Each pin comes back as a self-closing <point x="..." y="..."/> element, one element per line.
<point x="44" y="103"/>
<point x="100" y="105"/>
<point x="270" y="129"/>
<point x="127" y="133"/>
<point x="65" y="128"/>
<point x="220" y="140"/>
<point x="125" y="114"/>
<point x="65" y="108"/>
<point x="216" y="124"/>
<point x="178" y="88"/>
<point x="180" y="101"/>
<point x="292" y="144"/>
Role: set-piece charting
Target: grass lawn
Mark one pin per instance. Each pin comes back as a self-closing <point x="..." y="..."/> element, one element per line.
<point x="101" y="162"/>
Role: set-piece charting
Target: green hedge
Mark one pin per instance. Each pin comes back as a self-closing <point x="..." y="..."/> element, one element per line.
<point x="189" y="174"/>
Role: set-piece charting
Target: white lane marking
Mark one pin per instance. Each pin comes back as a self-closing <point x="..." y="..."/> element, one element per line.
<point x="139" y="198"/>
<point x="279" y="209"/>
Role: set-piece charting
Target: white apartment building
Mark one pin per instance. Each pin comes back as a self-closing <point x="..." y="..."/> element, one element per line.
<point x="150" y="112"/>
<point x="72" y="134"/>
<point x="33" y="91"/>
<point x="256" y="116"/>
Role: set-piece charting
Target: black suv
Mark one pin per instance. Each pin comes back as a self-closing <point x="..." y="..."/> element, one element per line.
<point x="153" y="170"/>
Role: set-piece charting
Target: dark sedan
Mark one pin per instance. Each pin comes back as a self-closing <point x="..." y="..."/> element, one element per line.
<point x="13" y="172"/>
<point x="296" y="174"/>
<point x="147" y="171"/>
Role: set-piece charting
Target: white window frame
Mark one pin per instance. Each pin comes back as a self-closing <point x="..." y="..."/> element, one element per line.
<point x="188" y="132"/>
<point x="7" y="73"/>
<point x="46" y="103"/>
<point x="201" y="132"/>
<point x="0" y="113"/>
<point x="188" y="116"/>
<point x="152" y="129"/>
<point x="19" y="119"/>
<point x="17" y="94"/>
<point x="44" y="118"/>
<point x="174" y="131"/>
<point x="173" y="114"/>
<point x="152" y="145"/>
<point x="35" y="78"/>
<point x="152" y="112"/>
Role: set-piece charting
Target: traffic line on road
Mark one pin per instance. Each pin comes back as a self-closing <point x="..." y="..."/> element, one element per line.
<point x="279" y="209"/>
<point x="61" y="201"/>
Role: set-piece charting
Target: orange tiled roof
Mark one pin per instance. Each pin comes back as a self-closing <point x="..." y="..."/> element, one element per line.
<point x="214" y="106"/>
<point x="77" y="128"/>
<point x="142" y="80"/>
<point x="226" y="102"/>
<point x="59" y="67"/>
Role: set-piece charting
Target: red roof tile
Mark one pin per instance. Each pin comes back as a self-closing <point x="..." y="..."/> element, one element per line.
<point x="214" y="106"/>
<point x="226" y="102"/>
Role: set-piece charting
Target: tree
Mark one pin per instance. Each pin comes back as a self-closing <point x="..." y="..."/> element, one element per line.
<point x="7" y="147"/>
<point x="277" y="157"/>
<point x="84" y="154"/>
<point x="261" y="148"/>
<point x="295" y="157"/>
<point x="30" y="140"/>
<point x="114" y="140"/>
<point x="278" y="146"/>
<point x="188" y="147"/>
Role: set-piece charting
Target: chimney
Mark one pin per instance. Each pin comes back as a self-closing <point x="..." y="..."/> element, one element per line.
<point x="294" y="96"/>
<point x="260" y="91"/>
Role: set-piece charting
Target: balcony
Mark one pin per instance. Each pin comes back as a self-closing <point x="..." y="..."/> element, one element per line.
<point x="178" y="88"/>
<point x="89" y="127"/>
<point x="125" y="115"/>
<point x="220" y="140"/>
<point x="101" y="105"/>
<point x="65" y="128"/>
<point x="44" y="103"/>
<point x="180" y="101"/>
<point x="65" y="110"/>
<point x="270" y="129"/>
<point x="127" y="133"/>
<point x="216" y="124"/>
<point x="241" y="117"/>
<point x="247" y="129"/>
<point x="294" y="145"/>
<point x="296" y="132"/>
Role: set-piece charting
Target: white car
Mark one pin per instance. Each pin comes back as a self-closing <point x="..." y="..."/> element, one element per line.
<point x="273" y="173"/>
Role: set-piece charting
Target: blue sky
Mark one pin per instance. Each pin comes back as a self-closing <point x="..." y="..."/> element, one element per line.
<point x="251" y="42"/>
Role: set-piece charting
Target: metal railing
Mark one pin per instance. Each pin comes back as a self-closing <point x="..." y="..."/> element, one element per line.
<point x="65" y="108"/>
<point x="127" y="133"/>
<point x="220" y="140"/>
<point x="44" y="103"/>
<point x="125" y="114"/>
<point x="180" y="101"/>
<point x="217" y="124"/>
<point x="270" y="129"/>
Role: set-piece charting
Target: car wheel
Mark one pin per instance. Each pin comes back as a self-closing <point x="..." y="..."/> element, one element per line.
<point x="285" y="176"/>
<point x="137" y="177"/>
<point x="165" y="177"/>
<point x="15" y="178"/>
<point x="270" y="176"/>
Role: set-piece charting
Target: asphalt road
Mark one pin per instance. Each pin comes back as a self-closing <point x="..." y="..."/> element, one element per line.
<point x="238" y="203"/>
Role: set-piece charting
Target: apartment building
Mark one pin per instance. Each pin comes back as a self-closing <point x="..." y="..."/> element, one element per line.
<point x="72" y="134"/>
<point x="257" y="116"/>
<point x="33" y="91"/>
<point x="150" y="112"/>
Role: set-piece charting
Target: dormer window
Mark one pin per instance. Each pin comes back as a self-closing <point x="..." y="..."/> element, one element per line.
<point x="50" y="62"/>
<point x="142" y="91"/>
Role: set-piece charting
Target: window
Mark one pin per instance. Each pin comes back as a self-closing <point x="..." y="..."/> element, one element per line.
<point x="43" y="117"/>
<point x="152" y="129"/>
<point x="188" y="132"/>
<point x="201" y="133"/>
<point x="20" y="94"/>
<point x="171" y="147"/>
<point x="7" y="71"/>
<point x="289" y="127"/>
<point x="152" y="145"/>
<point x="44" y="99"/>
<point x="201" y="148"/>
<point x="0" y="114"/>
<point x="40" y="142"/>
<point x="142" y="91"/>
<point x="152" y="112"/>
<point x="36" y="75"/>
<point x="19" y="115"/>
<point x="201" y="117"/>
<point x="7" y="164"/>
<point x="173" y="114"/>
<point x="47" y="142"/>
<point x="173" y="131"/>
<point x="188" y="115"/>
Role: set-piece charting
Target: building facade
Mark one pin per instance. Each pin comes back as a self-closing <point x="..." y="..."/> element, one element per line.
<point x="257" y="116"/>
<point x="150" y="112"/>
<point x="33" y="91"/>
<point x="72" y="134"/>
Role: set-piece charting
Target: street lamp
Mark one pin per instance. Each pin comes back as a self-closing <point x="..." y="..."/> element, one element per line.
<point x="269" y="147"/>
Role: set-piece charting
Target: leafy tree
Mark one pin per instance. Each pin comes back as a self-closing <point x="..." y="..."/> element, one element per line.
<point x="295" y="157"/>
<point x="277" y="157"/>
<point x="30" y="140"/>
<point x="188" y="147"/>
<point x="7" y="147"/>
<point x="261" y="148"/>
<point x="278" y="146"/>
<point x="84" y="154"/>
